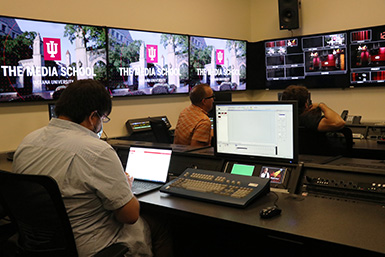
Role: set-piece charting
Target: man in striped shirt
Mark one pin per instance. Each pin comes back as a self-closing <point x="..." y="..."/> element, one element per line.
<point x="194" y="126"/>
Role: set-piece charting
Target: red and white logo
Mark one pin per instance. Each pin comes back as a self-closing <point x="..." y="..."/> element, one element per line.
<point x="152" y="54"/>
<point x="52" y="49"/>
<point x="220" y="56"/>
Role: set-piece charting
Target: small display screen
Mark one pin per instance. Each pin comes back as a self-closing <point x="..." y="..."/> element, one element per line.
<point x="242" y="169"/>
<point x="276" y="175"/>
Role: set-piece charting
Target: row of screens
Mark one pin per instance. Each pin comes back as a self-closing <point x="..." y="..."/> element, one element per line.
<point x="39" y="58"/>
<point x="341" y="59"/>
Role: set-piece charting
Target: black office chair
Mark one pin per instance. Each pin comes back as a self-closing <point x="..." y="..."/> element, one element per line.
<point x="161" y="131"/>
<point x="7" y="229"/>
<point x="35" y="206"/>
<point x="334" y="143"/>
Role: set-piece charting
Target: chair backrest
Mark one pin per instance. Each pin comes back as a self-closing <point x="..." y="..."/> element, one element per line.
<point x="334" y="143"/>
<point x="161" y="131"/>
<point x="35" y="206"/>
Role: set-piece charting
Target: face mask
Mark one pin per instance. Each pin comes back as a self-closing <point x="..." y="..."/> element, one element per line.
<point x="100" y="132"/>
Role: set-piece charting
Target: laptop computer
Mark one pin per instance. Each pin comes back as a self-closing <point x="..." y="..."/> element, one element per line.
<point x="149" y="167"/>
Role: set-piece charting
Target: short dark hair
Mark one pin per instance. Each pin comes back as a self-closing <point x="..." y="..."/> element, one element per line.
<point x="198" y="93"/>
<point x="81" y="98"/>
<point x="299" y="93"/>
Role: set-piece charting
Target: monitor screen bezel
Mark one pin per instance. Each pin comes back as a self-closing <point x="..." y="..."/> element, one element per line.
<point x="255" y="158"/>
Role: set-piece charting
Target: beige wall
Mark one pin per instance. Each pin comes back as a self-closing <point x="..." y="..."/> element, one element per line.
<point x="251" y="20"/>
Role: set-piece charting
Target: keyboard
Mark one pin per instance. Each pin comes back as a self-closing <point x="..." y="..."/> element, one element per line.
<point x="217" y="187"/>
<point x="140" y="187"/>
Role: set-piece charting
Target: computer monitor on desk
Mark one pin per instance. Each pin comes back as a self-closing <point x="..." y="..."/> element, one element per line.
<point x="256" y="131"/>
<point x="258" y="139"/>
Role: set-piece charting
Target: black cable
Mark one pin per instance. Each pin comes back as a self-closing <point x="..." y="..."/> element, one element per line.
<point x="276" y="199"/>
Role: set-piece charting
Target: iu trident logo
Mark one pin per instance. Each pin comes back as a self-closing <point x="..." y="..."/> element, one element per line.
<point x="220" y="57"/>
<point x="152" y="54"/>
<point x="52" y="49"/>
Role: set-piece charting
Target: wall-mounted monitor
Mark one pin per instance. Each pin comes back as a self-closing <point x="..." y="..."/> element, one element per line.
<point x="40" y="58"/>
<point x="316" y="61"/>
<point x="220" y="63"/>
<point x="147" y="63"/>
<point x="257" y="131"/>
<point x="367" y="56"/>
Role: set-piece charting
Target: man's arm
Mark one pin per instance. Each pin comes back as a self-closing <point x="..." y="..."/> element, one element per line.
<point x="198" y="143"/>
<point x="202" y="134"/>
<point x="113" y="187"/>
<point x="129" y="213"/>
<point x="332" y="121"/>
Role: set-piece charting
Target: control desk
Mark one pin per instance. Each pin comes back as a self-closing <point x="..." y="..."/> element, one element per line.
<point x="330" y="206"/>
<point x="307" y="226"/>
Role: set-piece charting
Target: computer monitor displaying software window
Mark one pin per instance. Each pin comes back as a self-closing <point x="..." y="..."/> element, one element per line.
<point x="265" y="131"/>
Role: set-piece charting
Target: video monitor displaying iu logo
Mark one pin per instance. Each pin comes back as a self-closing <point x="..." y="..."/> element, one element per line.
<point x="145" y="63"/>
<point x="220" y="63"/>
<point x="41" y="58"/>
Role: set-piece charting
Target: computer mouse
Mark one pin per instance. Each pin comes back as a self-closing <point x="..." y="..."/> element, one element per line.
<point x="270" y="212"/>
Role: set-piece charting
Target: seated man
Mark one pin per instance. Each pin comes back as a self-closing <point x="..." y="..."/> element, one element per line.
<point x="194" y="126"/>
<point x="95" y="190"/>
<point x="317" y="117"/>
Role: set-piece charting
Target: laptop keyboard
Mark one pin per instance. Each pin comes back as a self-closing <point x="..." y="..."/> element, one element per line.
<point x="143" y="184"/>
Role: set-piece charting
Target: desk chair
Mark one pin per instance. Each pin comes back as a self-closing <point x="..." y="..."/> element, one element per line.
<point x="161" y="131"/>
<point x="334" y="143"/>
<point x="35" y="206"/>
<point x="7" y="229"/>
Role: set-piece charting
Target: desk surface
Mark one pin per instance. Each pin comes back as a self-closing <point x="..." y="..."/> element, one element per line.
<point x="369" y="144"/>
<point x="344" y="223"/>
<point x="368" y="149"/>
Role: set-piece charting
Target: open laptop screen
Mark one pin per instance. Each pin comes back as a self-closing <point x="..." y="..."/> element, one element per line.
<point x="150" y="164"/>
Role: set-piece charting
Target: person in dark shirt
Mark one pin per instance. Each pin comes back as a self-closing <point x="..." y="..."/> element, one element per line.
<point x="313" y="116"/>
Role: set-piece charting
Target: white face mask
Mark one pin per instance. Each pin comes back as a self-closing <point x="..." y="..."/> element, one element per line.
<point x="100" y="132"/>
